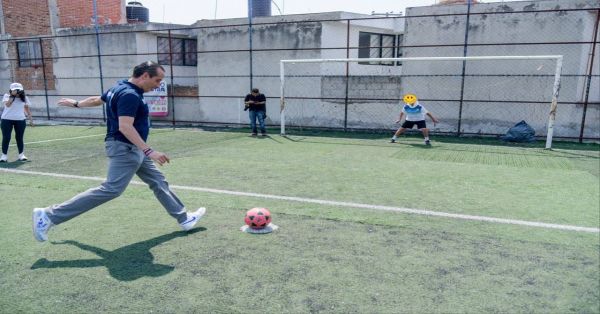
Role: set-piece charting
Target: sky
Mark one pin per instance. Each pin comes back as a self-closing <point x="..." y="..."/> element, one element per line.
<point x="189" y="11"/>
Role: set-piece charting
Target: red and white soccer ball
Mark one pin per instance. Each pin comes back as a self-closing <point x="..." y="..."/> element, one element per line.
<point x="258" y="218"/>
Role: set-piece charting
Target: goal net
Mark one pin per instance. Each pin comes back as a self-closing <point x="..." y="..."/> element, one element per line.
<point x="483" y="95"/>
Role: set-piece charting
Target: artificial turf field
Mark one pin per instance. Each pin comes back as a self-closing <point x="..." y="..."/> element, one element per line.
<point x="128" y="255"/>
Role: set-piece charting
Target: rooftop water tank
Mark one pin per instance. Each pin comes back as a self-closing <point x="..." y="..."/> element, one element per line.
<point x="259" y="7"/>
<point x="136" y="12"/>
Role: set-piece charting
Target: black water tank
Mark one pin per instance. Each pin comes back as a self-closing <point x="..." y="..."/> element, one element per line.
<point x="260" y="7"/>
<point x="136" y="12"/>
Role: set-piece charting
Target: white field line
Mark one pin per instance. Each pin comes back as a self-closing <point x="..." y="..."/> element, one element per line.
<point x="62" y="139"/>
<point x="336" y="203"/>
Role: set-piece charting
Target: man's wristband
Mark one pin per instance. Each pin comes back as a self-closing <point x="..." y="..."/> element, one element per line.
<point x="76" y="104"/>
<point x="148" y="151"/>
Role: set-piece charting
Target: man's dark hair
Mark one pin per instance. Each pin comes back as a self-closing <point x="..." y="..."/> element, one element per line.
<point x="255" y="90"/>
<point x="149" y="66"/>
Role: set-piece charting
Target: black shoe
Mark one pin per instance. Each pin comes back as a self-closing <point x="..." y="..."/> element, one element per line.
<point x="428" y="143"/>
<point x="392" y="141"/>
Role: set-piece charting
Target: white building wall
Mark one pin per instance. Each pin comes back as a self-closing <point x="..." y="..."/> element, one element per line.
<point x="77" y="72"/>
<point x="492" y="28"/>
<point x="223" y="76"/>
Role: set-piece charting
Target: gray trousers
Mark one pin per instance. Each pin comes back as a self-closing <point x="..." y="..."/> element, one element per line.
<point x="124" y="160"/>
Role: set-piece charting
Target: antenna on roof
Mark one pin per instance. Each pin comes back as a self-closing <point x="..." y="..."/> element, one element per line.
<point x="278" y="9"/>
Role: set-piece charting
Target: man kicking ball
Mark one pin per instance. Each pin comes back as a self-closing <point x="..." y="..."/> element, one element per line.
<point x="415" y="115"/>
<point x="128" y="154"/>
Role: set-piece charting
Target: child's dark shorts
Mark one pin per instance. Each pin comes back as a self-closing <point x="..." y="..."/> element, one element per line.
<point x="409" y="124"/>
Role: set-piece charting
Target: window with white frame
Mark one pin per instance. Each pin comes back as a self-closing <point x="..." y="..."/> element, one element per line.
<point x="184" y="51"/>
<point x="374" y="45"/>
<point x="29" y="53"/>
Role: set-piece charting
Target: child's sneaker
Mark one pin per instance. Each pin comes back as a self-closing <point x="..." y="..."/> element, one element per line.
<point x="427" y="142"/>
<point x="3" y="158"/>
<point x="192" y="219"/>
<point x="22" y="157"/>
<point x="41" y="224"/>
<point x="393" y="141"/>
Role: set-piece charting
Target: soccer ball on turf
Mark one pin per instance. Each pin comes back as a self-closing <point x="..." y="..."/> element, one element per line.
<point x="258" y="218"/>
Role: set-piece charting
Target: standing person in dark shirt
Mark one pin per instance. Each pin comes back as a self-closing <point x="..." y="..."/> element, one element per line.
<point x="256" y="103"/>
<point x="128" y="154"/>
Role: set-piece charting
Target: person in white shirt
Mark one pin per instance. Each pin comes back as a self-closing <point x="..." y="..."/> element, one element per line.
<point x="16" y="109"/>
<point x="415" y="115"/>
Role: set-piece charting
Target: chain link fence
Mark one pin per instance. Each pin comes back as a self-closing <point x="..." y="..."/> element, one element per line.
<point x="211" y="65"/>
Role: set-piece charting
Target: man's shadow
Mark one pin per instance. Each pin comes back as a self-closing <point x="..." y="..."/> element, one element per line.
<point x="127" y="263"/>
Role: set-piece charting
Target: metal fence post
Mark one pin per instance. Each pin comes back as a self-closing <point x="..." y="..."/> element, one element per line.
<point x="589" y="77"/>
<point x="172" y="87"/>
<point x="464" y="65"/>
<point x="99" y="59"/>
<point x="44" y="75"/>
<point x="250" y="13"/>
<point x="347" y="75"/>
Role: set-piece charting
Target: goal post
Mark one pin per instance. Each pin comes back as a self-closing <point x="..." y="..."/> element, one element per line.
<point x="557" y="59"/>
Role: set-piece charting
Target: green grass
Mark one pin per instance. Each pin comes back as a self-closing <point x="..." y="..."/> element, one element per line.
<point x="128" y="255"/>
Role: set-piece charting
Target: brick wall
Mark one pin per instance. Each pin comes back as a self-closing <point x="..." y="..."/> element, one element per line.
<point x="26" y="17"/>
<point x="185" y="91"/>
<point x="32" y="17"/>
<point x="32" y="78"/>
<point x="80" y="13"/>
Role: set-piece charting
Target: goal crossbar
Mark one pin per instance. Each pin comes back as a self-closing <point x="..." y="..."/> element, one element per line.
<point x="555" y="88"/>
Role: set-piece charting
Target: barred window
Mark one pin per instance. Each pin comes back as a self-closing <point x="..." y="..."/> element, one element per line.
<point x="29" y="53"/>
<point x="373" y="45"/>
<point x="184" y="51"/>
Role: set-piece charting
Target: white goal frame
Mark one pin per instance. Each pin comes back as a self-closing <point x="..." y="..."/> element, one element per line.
<point x="555" y="89"/>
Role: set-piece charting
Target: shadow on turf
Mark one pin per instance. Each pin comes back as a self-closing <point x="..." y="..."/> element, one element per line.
<point x="127" y="263"/>
<point x="13" y="164"/>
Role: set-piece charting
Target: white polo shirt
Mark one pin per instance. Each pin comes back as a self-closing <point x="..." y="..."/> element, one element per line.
<point x="16" y="111"/>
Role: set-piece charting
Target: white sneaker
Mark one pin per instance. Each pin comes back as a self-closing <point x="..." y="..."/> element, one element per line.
<point x="22" y="157"/>
<point x="41" y="224"/>
<point x="3" y="158"/>
<point x="192" y="219"/>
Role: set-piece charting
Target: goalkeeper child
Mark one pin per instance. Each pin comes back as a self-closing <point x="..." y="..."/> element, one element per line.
<point x="415" y="115"/>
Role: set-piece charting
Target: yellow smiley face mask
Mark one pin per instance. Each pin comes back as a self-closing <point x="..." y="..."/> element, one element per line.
<point x="410" y="98"/>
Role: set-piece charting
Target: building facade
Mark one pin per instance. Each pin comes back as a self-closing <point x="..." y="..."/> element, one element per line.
<point x="212" y="64"/>
<point x="497" y="94"/>
<point x="28" y="58"/>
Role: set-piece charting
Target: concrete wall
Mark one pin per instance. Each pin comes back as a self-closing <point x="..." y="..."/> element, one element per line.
<point x="488" y="28"/>
<point x="368" y="85"/>
<point x="5" y="66"/>
<point x="224" y="77"/>
<point x="76" y="65"/>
